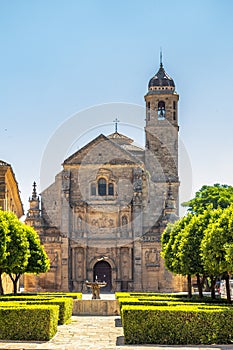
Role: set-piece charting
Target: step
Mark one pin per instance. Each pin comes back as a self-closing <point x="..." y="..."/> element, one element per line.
<point x="96" y="307"/>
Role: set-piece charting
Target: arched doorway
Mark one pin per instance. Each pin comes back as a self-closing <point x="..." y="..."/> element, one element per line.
<point x="102" y="272"/>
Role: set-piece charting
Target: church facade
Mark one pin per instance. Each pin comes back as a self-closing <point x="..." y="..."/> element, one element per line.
<point x="103" y="216"/>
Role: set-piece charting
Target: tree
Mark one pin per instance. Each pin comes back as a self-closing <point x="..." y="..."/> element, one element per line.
<point x="3" y="244"/>
<point x="17" y="248"/>
<point x="20" y="249"/>
<point x="217" y="247"/>
<point x="171" y="250"/>
<point x="38" y="261"/>
<point x="210" y="197"/>
<point x="182" y="247"/>
<point x="190" y="247"/>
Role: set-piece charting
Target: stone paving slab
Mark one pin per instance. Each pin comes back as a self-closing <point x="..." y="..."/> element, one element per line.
<point x="94" y="333"/>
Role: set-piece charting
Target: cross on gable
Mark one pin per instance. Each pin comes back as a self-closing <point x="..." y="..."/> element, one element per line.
<point x="116" y="121"/>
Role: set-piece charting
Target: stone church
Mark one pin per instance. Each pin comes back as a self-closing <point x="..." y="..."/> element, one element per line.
<point x="103" y="216"/>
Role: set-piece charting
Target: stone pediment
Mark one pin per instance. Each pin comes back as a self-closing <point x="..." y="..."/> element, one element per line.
<point x="120" y="138"/>
<point x="102" y="150"/>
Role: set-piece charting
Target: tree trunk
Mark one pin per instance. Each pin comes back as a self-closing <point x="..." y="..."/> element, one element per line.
<point x="189" y="286"/>
<point x="1" y="285"/>
<point x="212" y="287"/>
<point x="228" y="289"/>
<point x="199" y="285"/>
<point x="15" y="281"/>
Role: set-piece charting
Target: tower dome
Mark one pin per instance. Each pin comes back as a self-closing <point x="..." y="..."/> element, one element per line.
<point x="161" y="80"/>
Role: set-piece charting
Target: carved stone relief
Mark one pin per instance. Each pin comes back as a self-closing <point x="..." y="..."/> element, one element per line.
<point x="79" y="258"/>
<point x="102" y="222"/>
<point x="53" y="257"/>
<point x="125" y="264"/>
<point x="137" y="180"/>
<point x="152" y="257"/>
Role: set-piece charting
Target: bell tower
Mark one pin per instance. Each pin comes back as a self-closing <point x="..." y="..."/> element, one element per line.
<point x="161" y="130"/>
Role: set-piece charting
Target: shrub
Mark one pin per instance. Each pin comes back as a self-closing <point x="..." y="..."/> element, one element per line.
<point x="65" y="308"/>
<point x="65" y="304"/>
<point x="73" y="295"/>
<point x="180" y="324"/>
<point x="28" y="322"/>
<point x="45" y="295"/>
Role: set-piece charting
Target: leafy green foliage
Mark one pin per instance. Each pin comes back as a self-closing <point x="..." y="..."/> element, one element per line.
<point x="217" y="244"/>
<point x="17" y="246"/>
<point x="3" y="236"/>
<point x="3" y="244"/>
<point x="20" y="249"/>
<point x="210" y="197"/>
<point x="177" y="325"/>
<point x="18" y="322"/>
<point x="38" y="261"/>
<point x="201" y="243"/>
<point x="170" y="245"/>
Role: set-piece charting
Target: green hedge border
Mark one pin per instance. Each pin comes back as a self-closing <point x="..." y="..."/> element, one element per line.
<point x="177" y="325"/>
<point x="65" y="305"/>
<point x="28" y="322"/>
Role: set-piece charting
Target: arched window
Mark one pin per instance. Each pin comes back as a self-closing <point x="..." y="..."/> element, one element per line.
<point x="110" y="189"/>
<point x="93" y="189"/>
<point x="174" y="115"/>
<point x="174" y="104"/>
<point x="161" y="110"/>
<point x="102" y="187"/>
<point x="148" y="110"/>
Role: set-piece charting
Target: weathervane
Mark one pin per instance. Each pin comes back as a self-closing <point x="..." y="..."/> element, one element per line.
<point x="116" y="121"/>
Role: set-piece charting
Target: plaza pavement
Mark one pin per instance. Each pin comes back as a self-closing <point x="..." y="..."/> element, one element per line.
<point x="94" y="333"/>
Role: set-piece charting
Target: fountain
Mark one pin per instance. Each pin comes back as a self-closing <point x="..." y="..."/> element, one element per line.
<point x="95" y="288"/>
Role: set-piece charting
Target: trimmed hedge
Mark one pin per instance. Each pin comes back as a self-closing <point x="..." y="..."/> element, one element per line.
<point x="177" y="325"/>
<point x="163" y="302"/>
<point x="73" y="295"/>
<point x="181" y="298"/>
<point x="28" y="322"/>
<point x="65" y="305"/>
<point x="47" y="295"/>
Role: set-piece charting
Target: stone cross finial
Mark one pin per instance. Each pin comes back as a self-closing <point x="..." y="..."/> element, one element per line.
<point x="116" y="121"/>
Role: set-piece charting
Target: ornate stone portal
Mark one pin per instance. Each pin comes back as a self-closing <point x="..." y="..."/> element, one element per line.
<point x="106" y="210"/>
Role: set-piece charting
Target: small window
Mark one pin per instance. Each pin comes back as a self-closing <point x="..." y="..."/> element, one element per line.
<point x="110" y="189"/>
<point x="93" y="189"/>
<point x="148" y="105"/>
<point x="102" y="187"/>
<point x="174" y="115"/>
<point x="174" y="104"/>
<point x="161" y="110"/>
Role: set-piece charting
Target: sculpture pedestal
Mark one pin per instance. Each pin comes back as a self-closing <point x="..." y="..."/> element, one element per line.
<point x="96" y="307"/>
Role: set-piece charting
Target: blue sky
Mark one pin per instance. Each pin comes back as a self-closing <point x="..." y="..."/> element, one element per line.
<point x="61" y="57"/>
